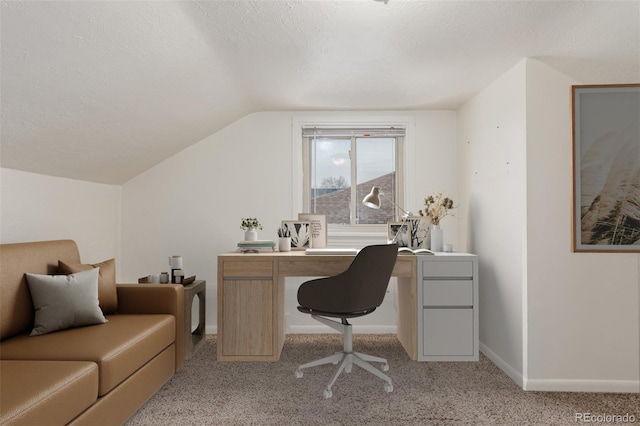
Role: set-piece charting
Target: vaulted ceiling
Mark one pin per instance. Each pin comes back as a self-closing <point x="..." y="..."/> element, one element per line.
<point x="103" y="90"/>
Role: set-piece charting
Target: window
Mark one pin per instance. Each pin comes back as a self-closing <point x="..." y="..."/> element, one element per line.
<point x="343" y="164"/>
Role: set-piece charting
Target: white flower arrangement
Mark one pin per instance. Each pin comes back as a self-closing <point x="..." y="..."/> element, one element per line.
<point x="436" y="207"/>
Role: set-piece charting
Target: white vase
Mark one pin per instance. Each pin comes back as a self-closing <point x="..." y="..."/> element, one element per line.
<point x="436" y="238"/>
<point x="284" y="244"/>
<point x="250" y="234"/>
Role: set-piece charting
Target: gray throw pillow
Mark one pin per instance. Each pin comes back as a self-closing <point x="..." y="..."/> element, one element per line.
<point x="64" y="301"/>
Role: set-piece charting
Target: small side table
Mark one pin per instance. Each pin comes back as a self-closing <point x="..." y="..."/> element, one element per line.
<point x="194" y="340"/>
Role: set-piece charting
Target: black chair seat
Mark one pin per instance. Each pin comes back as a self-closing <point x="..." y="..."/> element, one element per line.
<point x="335" y="314"/>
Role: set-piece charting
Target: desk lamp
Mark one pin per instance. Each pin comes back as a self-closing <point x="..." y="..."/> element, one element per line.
<point x="373" y="200"/>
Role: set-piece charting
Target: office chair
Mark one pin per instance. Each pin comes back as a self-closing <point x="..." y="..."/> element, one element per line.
<point x="356" y="292"/>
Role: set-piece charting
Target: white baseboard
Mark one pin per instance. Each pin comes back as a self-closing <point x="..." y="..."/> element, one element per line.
<point x="561" y="385"/>
<point x="610" y="386"/>
<point x="502" y="365"/>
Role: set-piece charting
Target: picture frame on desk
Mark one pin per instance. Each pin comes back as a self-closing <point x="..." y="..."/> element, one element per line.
<point x="300" y="231"/>
<point x="401" y="232"/>
<point x="318" y="228"/>
<point x="606" y="148"/>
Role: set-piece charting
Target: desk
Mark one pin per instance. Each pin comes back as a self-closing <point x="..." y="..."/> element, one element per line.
<point x="251" y="310"/>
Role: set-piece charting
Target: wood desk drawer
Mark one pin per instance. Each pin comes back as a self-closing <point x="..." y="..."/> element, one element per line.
<point x="447" y="293"/>
<point x="446" y="269"/>
<point x="249" y="268"/>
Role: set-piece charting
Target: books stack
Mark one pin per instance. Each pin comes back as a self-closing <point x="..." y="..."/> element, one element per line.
<point x="256" y="246"/>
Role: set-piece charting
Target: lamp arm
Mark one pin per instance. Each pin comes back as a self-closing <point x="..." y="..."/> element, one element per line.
<point x="395" y="237"/>
<point x="404" y="220"/>
<point x="406" y="213"/>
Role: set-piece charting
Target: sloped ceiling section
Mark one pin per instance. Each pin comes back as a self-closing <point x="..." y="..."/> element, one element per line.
<point x="101" y="91"/>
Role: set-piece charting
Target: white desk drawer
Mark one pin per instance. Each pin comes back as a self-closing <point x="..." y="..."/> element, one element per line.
<point x="447" y="293"/>
<point x="448" y="332"/>
<point x="444" y="269"/>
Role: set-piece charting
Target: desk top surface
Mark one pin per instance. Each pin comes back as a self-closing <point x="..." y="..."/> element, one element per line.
<point x="303" y="254"/>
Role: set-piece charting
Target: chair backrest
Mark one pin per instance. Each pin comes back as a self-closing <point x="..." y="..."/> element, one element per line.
<point x="361" y="287"/>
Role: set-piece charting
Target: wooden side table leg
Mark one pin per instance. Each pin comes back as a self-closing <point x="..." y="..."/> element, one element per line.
<point x="194" y="340"/>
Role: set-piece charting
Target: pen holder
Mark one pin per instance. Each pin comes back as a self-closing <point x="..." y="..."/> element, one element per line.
<point x="284" y="244"/>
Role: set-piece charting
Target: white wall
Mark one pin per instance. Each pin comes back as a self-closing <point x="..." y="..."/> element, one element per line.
<point x="192" y="203"/>
<point x="492" y="143"/>
<point x="583" y="317"/>
<point x="35" y="207"/>
<point x="550" y="318"/>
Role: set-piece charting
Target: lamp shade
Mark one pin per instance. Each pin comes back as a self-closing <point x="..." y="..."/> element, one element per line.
<point x="372" y="199"/>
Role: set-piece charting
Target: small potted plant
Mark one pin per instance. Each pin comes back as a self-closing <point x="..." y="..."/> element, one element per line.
<point x="250" y="226"/>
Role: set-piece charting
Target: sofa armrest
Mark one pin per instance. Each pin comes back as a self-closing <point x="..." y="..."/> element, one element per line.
<point x="156" y="299"/>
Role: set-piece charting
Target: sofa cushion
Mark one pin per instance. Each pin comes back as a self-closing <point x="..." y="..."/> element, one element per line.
<point x="119" y="347"/>
<point x="16" y="308"/>
<point x="107" y="292"/>
<point x="63" y="301"/>
<point x="46" y="392"/>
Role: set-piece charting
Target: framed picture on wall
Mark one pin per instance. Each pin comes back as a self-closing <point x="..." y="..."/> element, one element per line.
<point x="400" y="232"/>
<point x="606" y="168"/>
<point x="318" y="228"/>
<point x="300" y="233"/>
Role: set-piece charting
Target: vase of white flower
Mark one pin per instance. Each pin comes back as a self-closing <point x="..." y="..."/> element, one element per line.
<point x="437" y="237"/>
<point x="435" y="209"/>
<point x="250" y="227"/>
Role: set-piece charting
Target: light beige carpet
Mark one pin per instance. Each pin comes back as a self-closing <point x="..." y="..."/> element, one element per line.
<point x="207" y="392"/>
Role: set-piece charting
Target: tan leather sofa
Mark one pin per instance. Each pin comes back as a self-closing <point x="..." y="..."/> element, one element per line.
<point x="94" y="375"/>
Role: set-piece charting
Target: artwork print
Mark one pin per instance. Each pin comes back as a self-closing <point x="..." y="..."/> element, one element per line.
<point x="606" y="168"/>
<point x="300" y="233"/>
<point x="318" y="228"/>
<point x="419" y="232"/>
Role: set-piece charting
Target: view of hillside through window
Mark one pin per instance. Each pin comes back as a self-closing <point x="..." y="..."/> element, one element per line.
<point x="345" y="169"/>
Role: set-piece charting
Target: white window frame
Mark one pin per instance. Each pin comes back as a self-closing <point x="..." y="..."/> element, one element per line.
<point x="348" y="234"/>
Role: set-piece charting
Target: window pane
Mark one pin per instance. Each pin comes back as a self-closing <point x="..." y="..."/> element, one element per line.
<point x="376" y="166"/>
<point x="331" y="179"/>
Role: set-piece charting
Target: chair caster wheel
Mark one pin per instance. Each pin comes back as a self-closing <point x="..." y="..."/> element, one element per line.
<point x="299" y="374"/>
<point x="327" y="393"/>
<point x="385" y="367"/>
<point x="388" y="387"/>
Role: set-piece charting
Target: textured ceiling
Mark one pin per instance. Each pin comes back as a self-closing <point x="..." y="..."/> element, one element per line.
<point x="101" y="91"/>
